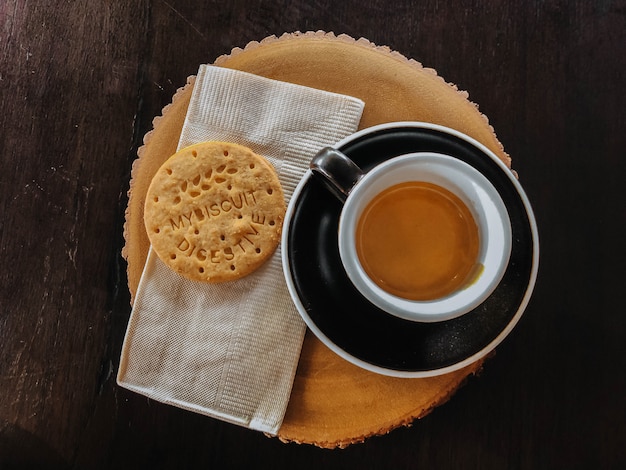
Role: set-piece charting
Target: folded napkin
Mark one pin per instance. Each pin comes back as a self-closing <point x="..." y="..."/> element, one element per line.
<point x="231" y="350"/>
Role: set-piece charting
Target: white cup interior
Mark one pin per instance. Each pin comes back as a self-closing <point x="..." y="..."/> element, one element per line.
<point x="478" y="194"/>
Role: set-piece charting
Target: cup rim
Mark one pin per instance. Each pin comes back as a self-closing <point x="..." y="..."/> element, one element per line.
<point x="481" y="198"/>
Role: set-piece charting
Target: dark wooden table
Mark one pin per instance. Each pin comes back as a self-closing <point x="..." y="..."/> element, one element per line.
<point x="79" y="85"/>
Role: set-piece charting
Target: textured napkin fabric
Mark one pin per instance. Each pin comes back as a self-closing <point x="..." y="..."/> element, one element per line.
<point x="230" y="350"/>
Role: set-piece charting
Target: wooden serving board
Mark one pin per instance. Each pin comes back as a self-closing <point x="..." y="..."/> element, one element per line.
<point x="333" y="403"/>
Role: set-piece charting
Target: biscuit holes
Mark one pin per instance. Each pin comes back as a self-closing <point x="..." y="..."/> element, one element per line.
<point x="231" y="171"/>
<point x="229" y="187"/>
<point x="232" y="267"/>
<point x="196" y="232"/>
<point x="194" y="193"/>
<point x="258" y="250"/>
<point x="208" y="174"/>
<point x="157" y="230"/>
<point x="252" y="166"/>
<point x="194" y="154"/>
<point x="201" y="270"/>
<point x="220" y="168"/>
<point x="270" y="191"/>
<point x="172" y="256"/>
<point x="222" y="237"/>
<point x="272" y="223"/>
<point x="168" y="171"/>
<point x="239" y="216"/>
<point x="196" y="180"/>
<point x="219" y="180"/>
<point x="183" y="187"/>
<point x="156" y="198"/>
<point x="176" y="199"/>
<point x="226" y="153"/>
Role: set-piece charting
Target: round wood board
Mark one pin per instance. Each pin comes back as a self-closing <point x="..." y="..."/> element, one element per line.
<point x="333" y="402"/>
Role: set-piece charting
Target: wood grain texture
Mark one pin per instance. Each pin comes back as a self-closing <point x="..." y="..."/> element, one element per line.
<point x="325" y="407"/>
<point x="80" y="83"/>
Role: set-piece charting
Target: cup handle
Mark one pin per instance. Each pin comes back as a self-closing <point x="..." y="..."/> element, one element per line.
<point x="337" y="171"/>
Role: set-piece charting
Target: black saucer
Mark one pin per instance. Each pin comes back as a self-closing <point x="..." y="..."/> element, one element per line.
<point x="360" y="332"/>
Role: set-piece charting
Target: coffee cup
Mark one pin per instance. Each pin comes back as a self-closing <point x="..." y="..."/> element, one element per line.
<point x="423" y="236"/>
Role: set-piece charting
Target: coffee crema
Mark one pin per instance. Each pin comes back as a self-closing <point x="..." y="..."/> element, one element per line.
<point x="418" y="241"/>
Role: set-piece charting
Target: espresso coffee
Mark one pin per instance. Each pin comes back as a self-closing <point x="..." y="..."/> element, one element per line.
<point x="418" y="241"/>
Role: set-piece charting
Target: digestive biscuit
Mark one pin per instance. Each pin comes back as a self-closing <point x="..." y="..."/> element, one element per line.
<point x="214" y="211"/>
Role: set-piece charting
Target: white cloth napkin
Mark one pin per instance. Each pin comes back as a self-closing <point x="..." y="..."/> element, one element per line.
<point x="231" y="350"/>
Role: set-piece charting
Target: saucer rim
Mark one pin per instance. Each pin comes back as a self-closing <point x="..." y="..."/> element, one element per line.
<point x="422" y="373"/>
